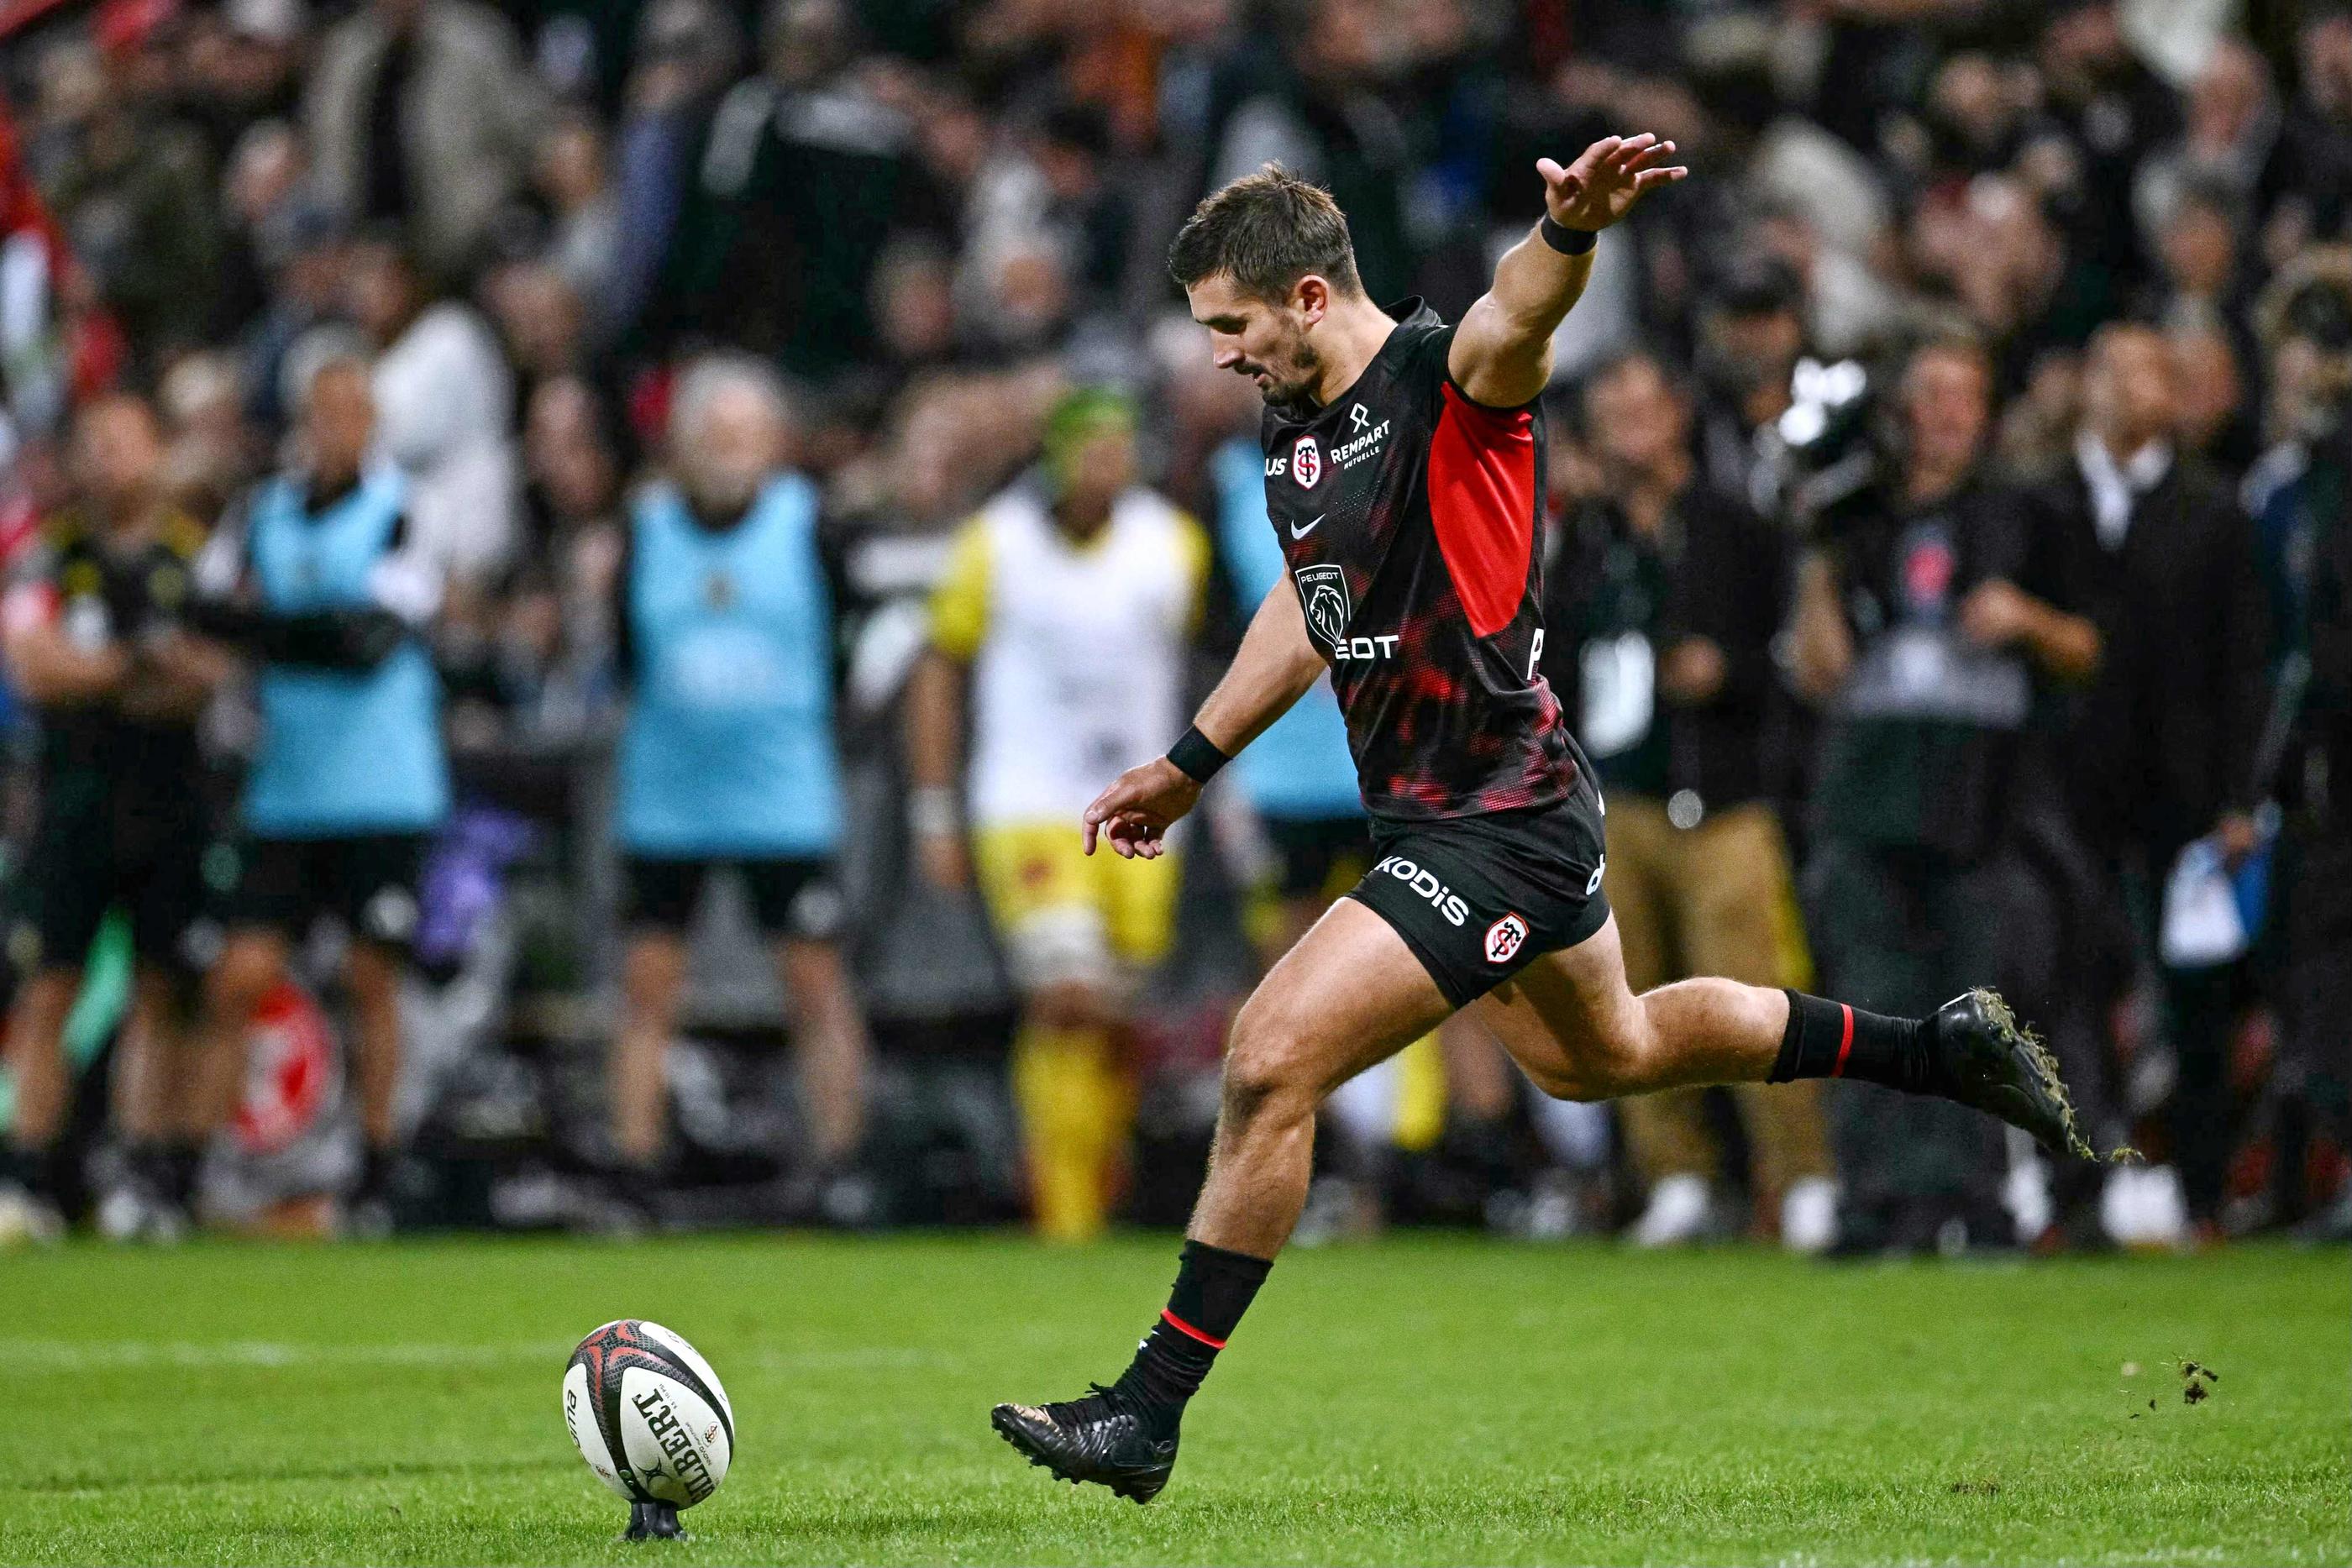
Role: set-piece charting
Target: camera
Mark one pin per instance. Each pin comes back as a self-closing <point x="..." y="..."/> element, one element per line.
<point x="2309" y="308"/>
<point x="1827" y="454"/>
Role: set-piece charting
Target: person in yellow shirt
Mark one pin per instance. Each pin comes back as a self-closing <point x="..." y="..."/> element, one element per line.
<point x="1062" y="623"/>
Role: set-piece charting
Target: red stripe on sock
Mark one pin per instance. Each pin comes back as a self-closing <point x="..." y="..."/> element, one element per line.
<point x="1845" y="1041"/>
<point x="1181" y="1326"/>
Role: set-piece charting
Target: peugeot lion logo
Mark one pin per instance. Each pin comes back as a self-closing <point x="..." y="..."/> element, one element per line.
<point x="1324" y="590"/>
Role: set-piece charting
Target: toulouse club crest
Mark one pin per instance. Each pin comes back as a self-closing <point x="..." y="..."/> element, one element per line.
<point x="1505" y="937"/>
<point x="1307" y="462"/>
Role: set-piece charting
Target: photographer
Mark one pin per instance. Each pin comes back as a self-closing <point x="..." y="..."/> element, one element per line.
<point x="1662" y="615"/>
<point x="1923" y="625"/>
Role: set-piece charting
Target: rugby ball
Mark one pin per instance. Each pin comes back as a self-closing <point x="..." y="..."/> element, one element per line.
<point x="648" y="1413"/>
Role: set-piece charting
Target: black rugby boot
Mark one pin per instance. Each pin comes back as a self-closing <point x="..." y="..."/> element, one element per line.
<point x="1100" y="1438"/>
<point x="1982" y="1057"/>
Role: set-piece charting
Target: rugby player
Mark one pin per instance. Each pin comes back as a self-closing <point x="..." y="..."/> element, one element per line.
<point x="1403" y="472"/>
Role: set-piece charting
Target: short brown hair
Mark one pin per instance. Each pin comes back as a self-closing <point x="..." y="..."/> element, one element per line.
<point x="1265" y="231"/>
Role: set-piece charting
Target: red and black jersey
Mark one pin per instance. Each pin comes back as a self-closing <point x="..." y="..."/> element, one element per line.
<point x="1407" y="516"/>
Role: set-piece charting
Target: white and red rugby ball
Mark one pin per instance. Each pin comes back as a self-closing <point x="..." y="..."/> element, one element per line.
<point x="648" y="1413"/>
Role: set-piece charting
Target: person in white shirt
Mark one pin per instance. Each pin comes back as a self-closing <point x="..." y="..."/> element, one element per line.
<point x="444" y="411"/>
<point x="1075" y="572"/>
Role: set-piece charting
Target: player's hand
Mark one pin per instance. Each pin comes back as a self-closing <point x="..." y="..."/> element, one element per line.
<point x="1603" y="185"/>
<point x="1133" y="815"/>
<point x="1995" y="613"/>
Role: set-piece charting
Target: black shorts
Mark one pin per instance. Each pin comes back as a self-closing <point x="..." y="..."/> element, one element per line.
<point x="1310" y="852"/>
<point x="793" y="897"/>
<point x="109" y="851"/>
<point x="367" y="881"/>
<point x="1479" y="898"/>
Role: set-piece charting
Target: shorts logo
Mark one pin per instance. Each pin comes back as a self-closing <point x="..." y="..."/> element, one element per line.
<point x="1307" y="462"/>
<point x="1592" y="883"/>
<point x="1505" y="937"/>
<point x="1423" y="881"/>
<point x="1323" y="593"/>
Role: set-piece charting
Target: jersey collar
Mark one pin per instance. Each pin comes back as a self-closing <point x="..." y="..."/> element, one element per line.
<point x="1410" y="311"/>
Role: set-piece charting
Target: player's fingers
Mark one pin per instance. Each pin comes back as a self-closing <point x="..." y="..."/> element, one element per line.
<point x="1115" y="798"/>
<point x="1651" y="179"/>
<point x="1090" y="831"/>
<point x="1597" y="156"/>
<point x="1139" y="838"/>
<point x="1551" y="170"/>
<point x="1632" y="148"/>
<point x="1651" y="157"/>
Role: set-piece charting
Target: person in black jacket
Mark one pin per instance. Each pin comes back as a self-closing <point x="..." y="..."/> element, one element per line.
<point x="2164" y="749"/>
<point x="1664" y="598"/>
<point x="94" y="637"/>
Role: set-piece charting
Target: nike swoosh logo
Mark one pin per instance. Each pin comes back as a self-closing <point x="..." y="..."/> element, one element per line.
<point x="1299" y="533"/>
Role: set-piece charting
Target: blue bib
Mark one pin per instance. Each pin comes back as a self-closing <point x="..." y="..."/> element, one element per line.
<point x="343" y="753"/>
<point x="730" y="744"/>
<point x="1300" y="769"/>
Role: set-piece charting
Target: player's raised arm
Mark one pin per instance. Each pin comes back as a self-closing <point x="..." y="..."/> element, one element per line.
<point x="1502" y="351"/>
<point x="1275" y="665"/>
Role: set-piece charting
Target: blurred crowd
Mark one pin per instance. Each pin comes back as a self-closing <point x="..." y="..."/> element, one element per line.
<point x="566" y="543"/>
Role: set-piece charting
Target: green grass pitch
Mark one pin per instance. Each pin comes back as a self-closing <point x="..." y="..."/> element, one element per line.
<point x="1419" y="1400"/>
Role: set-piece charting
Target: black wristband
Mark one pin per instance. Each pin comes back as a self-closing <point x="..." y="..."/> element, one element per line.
<point x="1566" y="240"/>
<point x="1196" y="756"/>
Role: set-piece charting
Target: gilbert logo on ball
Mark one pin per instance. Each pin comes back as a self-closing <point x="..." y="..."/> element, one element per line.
<point x="648" y="1413"/>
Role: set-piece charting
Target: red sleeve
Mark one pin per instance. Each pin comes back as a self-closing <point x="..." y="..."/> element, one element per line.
<point x="1482" y="502"/>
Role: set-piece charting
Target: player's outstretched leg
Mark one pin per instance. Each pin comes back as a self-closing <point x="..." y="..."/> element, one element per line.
<point x="1348" y="995"/>
<point x="1981" y="1055"/>
<point x="1582" y="1034"/>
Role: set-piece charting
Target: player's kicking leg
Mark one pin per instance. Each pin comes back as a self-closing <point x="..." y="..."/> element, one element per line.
<point x="1581" y="1033"/>
<point x="1348" y="995"/>
<point x="1352" y="992"/>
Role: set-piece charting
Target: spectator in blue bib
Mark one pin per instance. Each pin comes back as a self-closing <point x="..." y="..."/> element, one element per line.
<point x="317" y="578"/>
<point x="724" y="640"/>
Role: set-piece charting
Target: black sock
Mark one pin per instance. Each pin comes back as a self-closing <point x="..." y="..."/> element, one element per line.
<point x="1214" y="1287"/>
<point x="376" y="1171"/>
<point x="1830" y="1040"/>
<point x="181" y="1162"/>
<point x="148" y="1164"/>
<point x="1482" y="1144"/>
<point x="34" y="1169"/>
